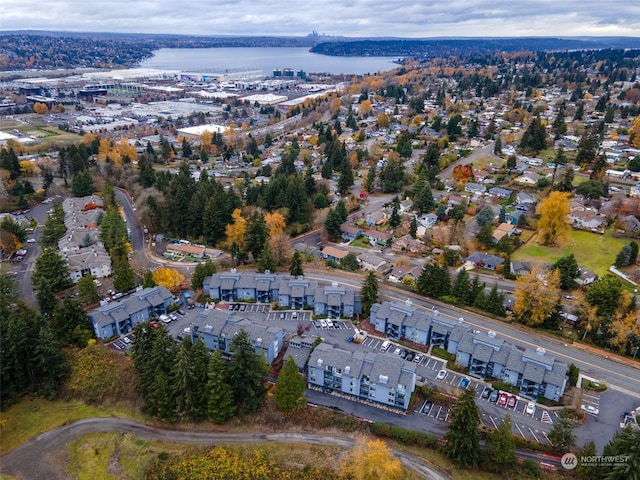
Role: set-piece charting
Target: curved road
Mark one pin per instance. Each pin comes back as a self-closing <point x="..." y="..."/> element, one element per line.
<point x="32" y="460"/>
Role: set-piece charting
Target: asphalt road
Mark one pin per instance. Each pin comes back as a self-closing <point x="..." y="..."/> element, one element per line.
<point x="33" y="460"/>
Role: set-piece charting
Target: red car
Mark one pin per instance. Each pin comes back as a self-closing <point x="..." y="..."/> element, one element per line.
<point x="502" y="401"/>
<point x="512" y="401"/>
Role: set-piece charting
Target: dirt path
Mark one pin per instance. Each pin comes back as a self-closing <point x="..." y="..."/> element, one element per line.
<point x="39" y="458"/>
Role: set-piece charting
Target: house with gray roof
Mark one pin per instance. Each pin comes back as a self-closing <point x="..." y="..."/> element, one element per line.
<point x="293" y="292"/>
<point x="378" y="379"/>
<point x="217" y="328"/>
<point x="120" y="317"/>
<point x="401" y="320"/>
<point x="484" y="260"/>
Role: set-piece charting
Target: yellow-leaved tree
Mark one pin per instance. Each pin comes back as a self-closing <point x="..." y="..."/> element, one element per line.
<point x="537" y="294"/>
<point x="169" y="277"/>
<point x="365" y="107"/>
<point x="372" y="460"/>
<point x="235" y="231"/>
<point x="276" y="223"/>
<point x="634" y="133"/>
<point x="554" y="225"/>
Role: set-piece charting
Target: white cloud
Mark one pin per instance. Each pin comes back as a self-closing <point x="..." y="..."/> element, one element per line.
<point x="399" y="18"/>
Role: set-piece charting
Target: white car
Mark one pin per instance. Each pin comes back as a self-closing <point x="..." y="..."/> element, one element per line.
<point x="590" y="410"/>
<point x="531" y="408"/>
<point x="441" y="374"/>
<point x="31" y="240"/>
<point x="323" y="323"/>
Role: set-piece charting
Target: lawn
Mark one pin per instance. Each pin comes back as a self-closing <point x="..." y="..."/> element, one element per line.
<point x="360" y="242"/>
<point x="30" y="417"/>
<point x="592" y="251"/>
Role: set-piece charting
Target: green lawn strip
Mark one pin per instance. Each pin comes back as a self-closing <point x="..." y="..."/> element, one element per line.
<point x="592" y="251"/>
<point x="31" y="417"/>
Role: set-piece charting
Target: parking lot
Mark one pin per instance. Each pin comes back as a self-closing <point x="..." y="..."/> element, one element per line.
<point x="246" y="307"/>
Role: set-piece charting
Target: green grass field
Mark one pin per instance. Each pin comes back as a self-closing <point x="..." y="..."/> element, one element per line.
<point x="593" y="251"/>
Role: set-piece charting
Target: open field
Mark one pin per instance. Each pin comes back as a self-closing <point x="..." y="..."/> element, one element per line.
<point x="30" y="417"/>
<point x="593" y="251"/>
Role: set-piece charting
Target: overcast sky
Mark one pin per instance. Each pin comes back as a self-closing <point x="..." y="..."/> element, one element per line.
<point x="354" y="18"/>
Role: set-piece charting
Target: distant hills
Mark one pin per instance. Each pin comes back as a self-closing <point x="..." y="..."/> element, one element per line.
<point x="29" y="49"/>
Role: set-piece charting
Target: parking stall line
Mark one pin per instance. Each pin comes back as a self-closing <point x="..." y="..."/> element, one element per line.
<point x="437" y="366"/>
<point x="446" y="417"/>
<point x="519" y="430"/>
<point x="546" y="418"/>
<point x="534" y="435"/>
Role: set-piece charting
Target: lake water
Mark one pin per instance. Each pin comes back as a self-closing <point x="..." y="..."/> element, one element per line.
<point x="265" y="59"/>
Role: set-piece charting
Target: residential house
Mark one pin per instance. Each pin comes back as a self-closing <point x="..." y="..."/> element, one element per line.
<point x="377" y="379"/>
<point x="349" y="232"/>
<point x="589" y="220"/>
<point x="334" y="254"/>
<point x="89" y="261"/>
<point x="514" y="217"/>
<point x="378" y="238"/>
<point x="504" y="229"/>
<point x="217" y="328"/>
<point x="630" y="224"/>
<point x="376" y="218"/>
<point x="407" y="244"/>
<point x="475" y="188"/>
<point x="528" y="178"/>
<point x="520" y="268"/>
<point x="369" y="261"/>
<point x="406" y="206"/>
<point x="483" y="260"/>
<point x="120" y="317"/>
<point x="428" y="220"/>
<point x="300" y="348"/>
<point x="399" y="273"/>
<point x="498" y="192"/>
<point x="585" y="276"/>
<point x="526" y="198"/>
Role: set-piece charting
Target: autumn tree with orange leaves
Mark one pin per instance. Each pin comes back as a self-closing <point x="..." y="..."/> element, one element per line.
<point x="554" y="225"/>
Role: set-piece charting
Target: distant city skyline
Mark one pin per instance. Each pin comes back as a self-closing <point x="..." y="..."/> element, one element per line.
<point x="350" y="18"/>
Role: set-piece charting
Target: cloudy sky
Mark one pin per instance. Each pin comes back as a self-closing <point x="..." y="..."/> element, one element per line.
<point x="356" y="18"/>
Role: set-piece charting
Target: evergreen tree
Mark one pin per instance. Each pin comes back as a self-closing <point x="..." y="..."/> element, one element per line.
<point x="202" y="270"/>
<point x="394" y="219"/>
<point x="221" y="405"/>
<point x="123" y="276"/>
<point x="369" y="293"/>
<point x="70" y="324"/>
<point x="200" y="371"/>
<point x="423" y="198"/>
<point x="624" y="442"/>
<point x="485" y="235"/>
<point x="148" y="281"/>
<point x="159" y="400"/>
<point x="346" y="178"/>
<point x="497" y="147"/>
<point x="295" y="269"/>
<point x="289" y="392"/>
<point x="512" y="162"/>
<point x="82" y="184"/>
<point x="267" y="260"/>
<point x="495" y="302"/>
<point x="502" y="216"/>
<point x="569" y="271"/>
<point x="534" y="138"/>
<point x="501" y="455"/>
<point x="349" y="262"/>
<point x="413" y="227"/>
<point x="182" y="381"/>
<point x="463" y="435"/>
<point x="371" y="179"/>
<point x="341" y="210"/>
<point x="587" y="471"/>
<point x="256" y="235"/>
<point x="461" y="288"/>
<point x="51" y="269"/>
<point x="477" y="288"/>
<point x="246" y="372"/>
<point x="561" y="435"/>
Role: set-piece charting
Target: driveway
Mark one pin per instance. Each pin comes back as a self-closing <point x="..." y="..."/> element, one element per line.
<point x="45" y="447"/>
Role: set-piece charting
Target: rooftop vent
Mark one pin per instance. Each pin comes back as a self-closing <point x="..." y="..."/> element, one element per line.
<point x="408" y="302"/>
<point x="334" y="284"/>
<point x="491" y="334"/>
<point x="320" y="362"/>
<point x="540" y="351"/>
<point x="461" y="320"/>
<point x="347" y="369"/>
<point x="383" y="379"/>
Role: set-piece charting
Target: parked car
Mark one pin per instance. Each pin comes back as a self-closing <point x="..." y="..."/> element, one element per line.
<point x="410" y="356"/>
<point x="427" y="407"/>
<point x="418" y="358"/>
<point x="181" y="312"/>
<point x="502" y="401"/>
<point x="494" y="396"/>
<point x="512" y="401"/>
<point x="231" y="306"/>
<point x="486" y="393"/>
<point x="590" y="409"/>
<point x="531" y="408"/>
<point x="441" y="374"/>
<point x="243" y="307"/>
<point x="323" y="323"/>
<point x="350" y="339"/>
<point x="126" y="340"/>
<point x="464" y="383"/>
<point x="316" y="324"/>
